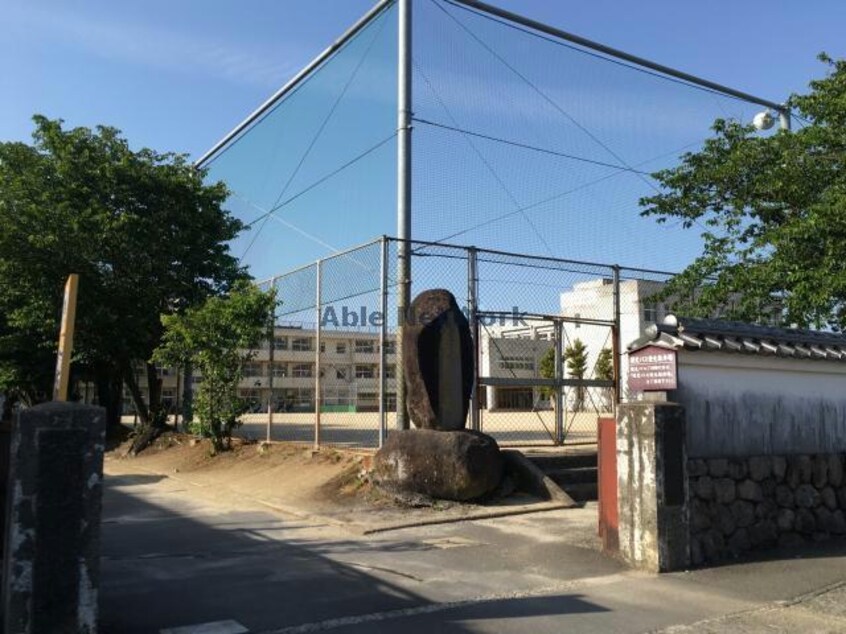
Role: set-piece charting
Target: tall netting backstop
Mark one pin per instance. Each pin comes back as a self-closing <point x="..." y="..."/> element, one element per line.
<point x="530" y="150"/>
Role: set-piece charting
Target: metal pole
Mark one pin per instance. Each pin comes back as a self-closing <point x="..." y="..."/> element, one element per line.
<point x="616" y="342"/>
<point x="403" y="195"/>
<point x="559" y="387"/>
<point x="784" y="118"/>
<point x="383" y="337"/>
<point x="613" y="52"/>
<point x="317" y="342"/>
<point x="295" y="81"/>
<point x="473" y="309"/>
<point x="271" y="338"/>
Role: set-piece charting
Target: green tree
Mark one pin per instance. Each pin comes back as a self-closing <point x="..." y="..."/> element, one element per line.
<point x="605" y="372"/>
<point x="217" y="338"/>
<point x="771" y="207"/>
<point x="143" y="231"/>
<point x="546" y="367"/>
<point x="575" y="356"/>
<point x="605" y="365"/>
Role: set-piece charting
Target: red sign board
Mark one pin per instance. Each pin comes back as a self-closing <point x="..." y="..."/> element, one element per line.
<point x="653" y="369"/>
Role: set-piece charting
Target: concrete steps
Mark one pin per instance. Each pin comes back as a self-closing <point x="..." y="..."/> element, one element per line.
<point x="576" y="473"/>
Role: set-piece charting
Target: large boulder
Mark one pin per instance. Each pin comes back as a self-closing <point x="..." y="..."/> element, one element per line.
<point x="459" y="465"/>
<point x="437" y="362"/>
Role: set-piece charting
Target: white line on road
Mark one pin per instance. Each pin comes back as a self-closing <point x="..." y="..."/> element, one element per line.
<point x="215" y="627"/>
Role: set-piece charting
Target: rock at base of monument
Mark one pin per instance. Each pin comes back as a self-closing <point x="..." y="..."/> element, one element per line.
<point x="457" y="465"/>
<point x="437" y="361"/>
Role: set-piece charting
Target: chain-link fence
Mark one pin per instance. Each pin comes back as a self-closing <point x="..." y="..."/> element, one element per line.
<point x="328" y="374"/>
<point x="548" y="336"/>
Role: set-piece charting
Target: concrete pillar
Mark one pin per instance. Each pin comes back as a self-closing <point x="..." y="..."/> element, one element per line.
<point x="51" y="568"/>
<point x="652" y="486"/>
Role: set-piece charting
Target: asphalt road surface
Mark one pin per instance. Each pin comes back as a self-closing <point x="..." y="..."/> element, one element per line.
<point x="185" y="560"/>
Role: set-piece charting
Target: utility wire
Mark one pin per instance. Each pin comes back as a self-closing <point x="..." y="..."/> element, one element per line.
<point x="318" y="133"/>
<point x="554" y="197"/>
<point x="481" y="157"/>
<point x="526" y="146"/>
<point x="540" y="92"/>
<point x="286" y="223"/>
<point x="322" y="180"/>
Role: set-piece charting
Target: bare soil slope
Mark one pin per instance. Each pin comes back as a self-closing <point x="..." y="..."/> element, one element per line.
<point x="330" y="484"/>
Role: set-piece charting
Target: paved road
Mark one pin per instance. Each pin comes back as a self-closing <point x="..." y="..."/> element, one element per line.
<point x="175" y="555"/>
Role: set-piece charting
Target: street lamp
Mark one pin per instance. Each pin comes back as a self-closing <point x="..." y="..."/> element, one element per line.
<point x="766" y="119"/>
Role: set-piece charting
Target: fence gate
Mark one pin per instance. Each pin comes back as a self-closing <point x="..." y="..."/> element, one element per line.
<point x="542" y="379"/>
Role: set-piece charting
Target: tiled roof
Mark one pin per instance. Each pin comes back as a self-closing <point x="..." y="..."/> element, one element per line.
<point x="734" y="336"/>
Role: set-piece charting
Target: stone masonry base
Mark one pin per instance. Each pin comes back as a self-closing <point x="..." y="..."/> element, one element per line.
<point x="742" y="504"/>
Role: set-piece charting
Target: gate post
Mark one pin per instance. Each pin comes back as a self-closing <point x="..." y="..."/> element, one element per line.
<point x="271" y="360"/>
<point x="616" y="343"/>
<point x="654" y="532"/>
<point x="51" y="571"/>
<point x="317" y="342"/>
<point x="609" y="522"/>
<point x="559" y="378"/>
<point x="473" y="309"/>
<point x="383" y="337"/>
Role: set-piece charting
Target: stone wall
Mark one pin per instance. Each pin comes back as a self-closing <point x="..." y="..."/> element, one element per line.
<point x="742" y="504"/>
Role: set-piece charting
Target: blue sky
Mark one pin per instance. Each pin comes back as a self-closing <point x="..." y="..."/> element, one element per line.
<point x="177" y="75"/>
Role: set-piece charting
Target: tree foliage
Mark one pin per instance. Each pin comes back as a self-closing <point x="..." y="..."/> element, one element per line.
<point x="575" y="356"/>
<point x="546" y="367"/>
<point x="771" y="207"/>
<point x="143" y="231"/>
<point x="217" y="338"/>
<point x="605" y="365"/>
<point x="604" y="370"/>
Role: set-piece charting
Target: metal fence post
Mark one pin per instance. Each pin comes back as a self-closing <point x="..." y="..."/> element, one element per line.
<point x="559" y="387"/>
<point x="616" y="342"/>
<point x="404" y="109"/>
<point x="383" y="336"/>
<point x="473" y="309"/>
<point x="317" y="342"/>
<point x="271" y="338"/>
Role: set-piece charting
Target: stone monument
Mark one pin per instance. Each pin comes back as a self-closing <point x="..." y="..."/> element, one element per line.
<point x="439" y="459"/>
<point x="437" y="362"/>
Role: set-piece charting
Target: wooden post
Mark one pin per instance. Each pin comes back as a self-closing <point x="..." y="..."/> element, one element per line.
<point x="60" y="385"/>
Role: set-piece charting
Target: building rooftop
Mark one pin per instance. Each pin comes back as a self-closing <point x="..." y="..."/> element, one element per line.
<point x="740" y="337"/>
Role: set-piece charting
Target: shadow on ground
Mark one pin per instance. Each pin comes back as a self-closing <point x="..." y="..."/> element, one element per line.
<point x="162" y="568"/>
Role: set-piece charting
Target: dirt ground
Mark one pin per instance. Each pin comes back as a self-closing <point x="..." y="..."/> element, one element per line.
<point x="331" y="484"/>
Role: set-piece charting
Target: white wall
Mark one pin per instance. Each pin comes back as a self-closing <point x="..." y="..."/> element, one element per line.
<point x="739" y="404"/>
